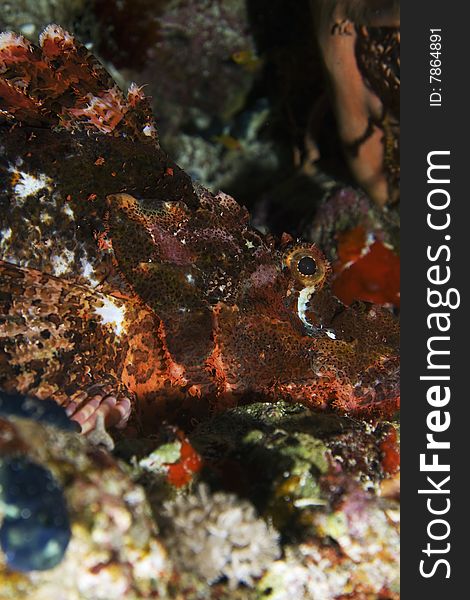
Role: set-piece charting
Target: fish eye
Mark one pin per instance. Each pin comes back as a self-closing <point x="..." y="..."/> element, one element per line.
<point x="307" y="265"/>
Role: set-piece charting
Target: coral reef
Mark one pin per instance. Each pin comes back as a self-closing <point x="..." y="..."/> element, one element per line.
<point x="30" y="18"/>
<point x="276" y="456"/>
<point x="199" y="63"/>
<point x="315" y="476"/>
<point x="355" y="554"/>
<point x="228" y="156"/>
<point x="320" y="478"/>
<point x="176" y="47"/>
<point x="218" y="535"/>
<point x="113" y="550"/>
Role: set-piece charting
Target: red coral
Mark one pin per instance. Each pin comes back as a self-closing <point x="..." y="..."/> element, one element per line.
<point x="366" y="270"/>
<point x="181" y="472"/>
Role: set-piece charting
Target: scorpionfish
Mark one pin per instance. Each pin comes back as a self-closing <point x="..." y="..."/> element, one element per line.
<point x="128" y="289"/>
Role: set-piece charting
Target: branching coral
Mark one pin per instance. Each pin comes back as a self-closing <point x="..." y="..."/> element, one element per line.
<point x="219" y="535"/>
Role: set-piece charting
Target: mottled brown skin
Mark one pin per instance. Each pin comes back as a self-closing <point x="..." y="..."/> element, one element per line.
<point x="123" y="283"/>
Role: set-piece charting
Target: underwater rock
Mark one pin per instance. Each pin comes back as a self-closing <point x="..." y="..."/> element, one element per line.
<point x="113" y="552"/>
<point x="320" y="479"/>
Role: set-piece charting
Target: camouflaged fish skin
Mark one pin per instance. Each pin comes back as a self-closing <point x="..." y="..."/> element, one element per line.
<point x="125" y="286"/>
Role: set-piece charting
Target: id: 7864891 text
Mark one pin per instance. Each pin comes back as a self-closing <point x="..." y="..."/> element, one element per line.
<point x="435" y="70"/>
